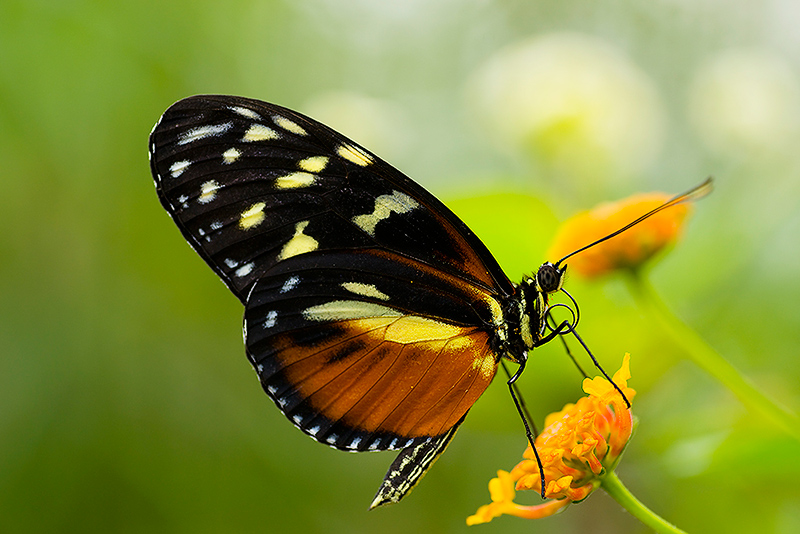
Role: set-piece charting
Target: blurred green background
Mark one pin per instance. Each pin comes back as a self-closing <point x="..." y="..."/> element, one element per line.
<point x="126" y="401"/>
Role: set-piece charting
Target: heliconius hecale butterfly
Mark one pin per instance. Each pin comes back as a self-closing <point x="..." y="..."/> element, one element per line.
<point x="373" y="316"/>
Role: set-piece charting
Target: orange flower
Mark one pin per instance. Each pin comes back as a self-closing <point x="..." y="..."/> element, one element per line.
<point x="628" y="250"/>
<point x="579" y="445"/>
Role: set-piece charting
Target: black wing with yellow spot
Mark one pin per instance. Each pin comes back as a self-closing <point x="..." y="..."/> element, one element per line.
<point x="371" y="311"/>
<point x="251" y="183"/>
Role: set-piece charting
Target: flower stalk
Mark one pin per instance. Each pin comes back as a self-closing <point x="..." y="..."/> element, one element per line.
<point x="709" y="359"/>
<point x="617" y="490"/>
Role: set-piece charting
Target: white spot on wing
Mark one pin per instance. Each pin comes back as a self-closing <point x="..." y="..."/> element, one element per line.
<point x="231" y="155"/>
<point x="313" y="431"/>
<point x="290" y="284"/>
<point x="385" y="205"/>
<point x="244" y="270"/>
<point x="208" y="192"/>
<point x="259" y="132"/>
<point x="230" y="263"/>
<point x="177" y="168"/>
<point x="201" y="132"/>
<point x="271" y="319"/>
<point x="289" y="126"/>
<point x="245" y="112"/>
<point x="365" y="290"/>
<point x="216" y="225"/>
<point x="299" y="243"/>
<point x="183" y="199"/>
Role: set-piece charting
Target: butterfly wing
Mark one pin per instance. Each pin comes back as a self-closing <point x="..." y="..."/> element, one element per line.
<point x="369" y="350"/>
<point x="370" y="308"/>
<point x="410" y="466"/>
<point x="245" y="181"/>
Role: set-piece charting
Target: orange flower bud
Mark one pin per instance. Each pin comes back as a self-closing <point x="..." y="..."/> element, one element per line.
<point x="628" y="250"/>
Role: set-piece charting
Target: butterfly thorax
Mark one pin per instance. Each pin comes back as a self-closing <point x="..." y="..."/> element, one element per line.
<point x="523" y="315"/>
<point x="525" y="312"/>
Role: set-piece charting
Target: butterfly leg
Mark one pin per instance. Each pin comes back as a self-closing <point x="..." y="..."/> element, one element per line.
<point x="520" y="409"/>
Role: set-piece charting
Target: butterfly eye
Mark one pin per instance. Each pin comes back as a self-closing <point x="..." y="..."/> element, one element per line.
<point x="549" y="278"/>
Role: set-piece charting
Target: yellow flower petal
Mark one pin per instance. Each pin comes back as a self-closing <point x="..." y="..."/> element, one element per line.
<point x="502" y="488"/>
<point x="622" y="376"/>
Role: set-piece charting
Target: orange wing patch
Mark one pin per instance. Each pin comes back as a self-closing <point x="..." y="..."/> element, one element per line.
<point x="403" y="374"/>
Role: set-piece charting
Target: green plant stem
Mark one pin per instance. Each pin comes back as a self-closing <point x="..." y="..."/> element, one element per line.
<point x="614" y="487"/>
<point x="710" y="360"/>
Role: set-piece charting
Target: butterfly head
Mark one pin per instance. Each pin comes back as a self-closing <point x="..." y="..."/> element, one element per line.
<point x="550" y="277"/>
<point x="532" y="306"/>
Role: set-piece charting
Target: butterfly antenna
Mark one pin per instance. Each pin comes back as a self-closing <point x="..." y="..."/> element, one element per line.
<point x="522" y="411"/>
<point x="695" y="193"/>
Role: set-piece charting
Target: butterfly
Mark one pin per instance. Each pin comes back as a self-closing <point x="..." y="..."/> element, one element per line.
<point x="374" y="317"/>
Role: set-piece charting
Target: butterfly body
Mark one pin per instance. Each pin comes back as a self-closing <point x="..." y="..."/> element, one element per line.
<point x="374" y="317"/>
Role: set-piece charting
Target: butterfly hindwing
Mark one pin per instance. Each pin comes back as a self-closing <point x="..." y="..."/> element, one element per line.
<point x="410" y="466"/>
<point x="369" y="352"/>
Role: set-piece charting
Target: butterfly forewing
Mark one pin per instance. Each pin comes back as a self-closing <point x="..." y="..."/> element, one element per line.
<point x="371" y="310"/>
<point x="251" y="184"/>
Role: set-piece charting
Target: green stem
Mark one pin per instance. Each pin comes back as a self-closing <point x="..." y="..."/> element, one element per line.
<point x="710" y="360"/>
<point x="614" y="487"/>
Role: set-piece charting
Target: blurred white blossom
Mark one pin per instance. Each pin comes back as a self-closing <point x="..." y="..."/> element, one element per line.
<point x="745" y="100"/>
<point x="576" y="103"/>
<point x="376" y="124"/>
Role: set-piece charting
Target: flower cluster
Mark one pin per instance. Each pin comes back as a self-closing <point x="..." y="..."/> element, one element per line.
<point x="579" y="445"/>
